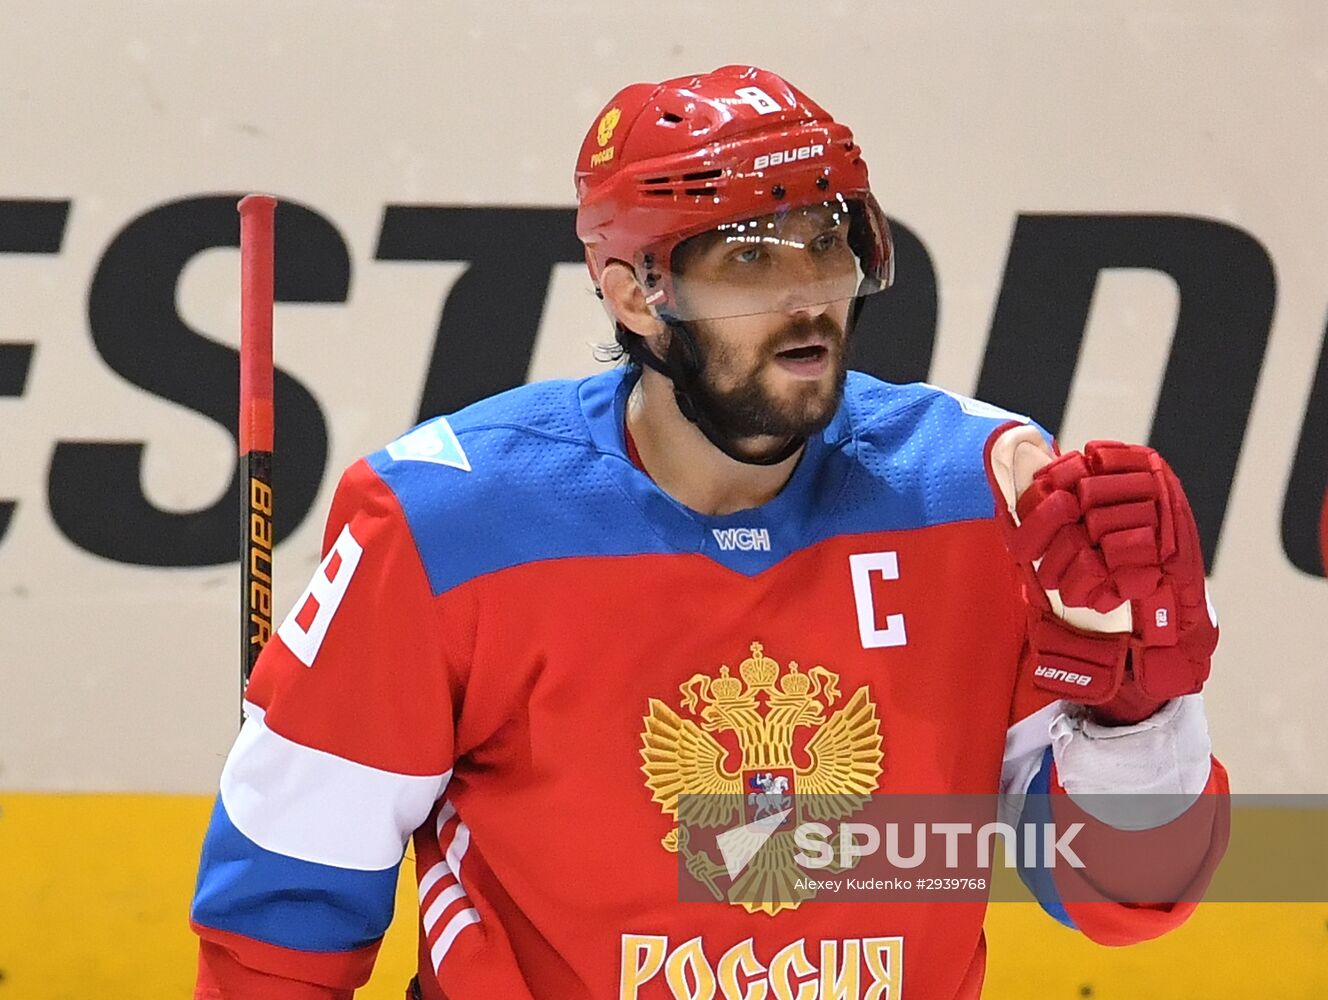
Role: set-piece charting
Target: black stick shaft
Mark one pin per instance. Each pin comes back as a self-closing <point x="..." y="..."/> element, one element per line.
<point x="256" y="562"/>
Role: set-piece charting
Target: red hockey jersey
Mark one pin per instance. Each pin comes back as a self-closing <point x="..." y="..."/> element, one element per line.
<point x="508" y="654"/>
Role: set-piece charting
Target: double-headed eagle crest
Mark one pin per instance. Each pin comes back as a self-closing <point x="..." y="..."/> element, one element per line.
<point x="838" y="766"/>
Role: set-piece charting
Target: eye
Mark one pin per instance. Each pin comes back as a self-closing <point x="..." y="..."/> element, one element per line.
<point x="748" y="255"/>
<point x="828" y="240"/>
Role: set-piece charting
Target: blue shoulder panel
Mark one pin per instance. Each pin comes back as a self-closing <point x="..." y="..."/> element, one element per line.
<point x="525" y="483"/>
<point x="919" y="456"/>
<point x="541" y="472"/>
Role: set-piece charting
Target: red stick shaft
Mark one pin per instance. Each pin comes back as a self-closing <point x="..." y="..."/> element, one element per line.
<point x="255" y="436"/>
<point x="256" y="243"/>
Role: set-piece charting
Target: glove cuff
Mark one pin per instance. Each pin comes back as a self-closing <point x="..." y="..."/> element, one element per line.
<point x="1139" y="776"/>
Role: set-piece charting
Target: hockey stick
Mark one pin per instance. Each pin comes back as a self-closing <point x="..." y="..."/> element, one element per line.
<point x="256" y="245"/>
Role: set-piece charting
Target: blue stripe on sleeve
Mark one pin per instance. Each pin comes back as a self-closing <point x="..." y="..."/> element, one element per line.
<point x="269" y="897"/>
<point x="1037" y="812"/>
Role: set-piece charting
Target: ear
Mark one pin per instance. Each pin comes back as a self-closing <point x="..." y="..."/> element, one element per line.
<point x="626" y="300"/>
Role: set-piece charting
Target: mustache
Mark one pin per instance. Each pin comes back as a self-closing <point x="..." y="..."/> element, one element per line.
<point x="821" y="329"/>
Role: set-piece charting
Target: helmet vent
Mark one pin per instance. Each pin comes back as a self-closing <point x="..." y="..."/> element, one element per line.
<point x="655" y="180"/>
<point x="702" y="175"/>
<point x="669" y="118"/>
<point x="699" y="191"/>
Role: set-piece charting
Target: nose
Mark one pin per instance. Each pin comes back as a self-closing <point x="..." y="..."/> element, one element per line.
<point x="809" y="310"/>
<point x="804" y="291"/>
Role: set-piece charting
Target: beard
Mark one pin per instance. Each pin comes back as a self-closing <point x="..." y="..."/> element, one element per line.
<point x="749" y="407"/>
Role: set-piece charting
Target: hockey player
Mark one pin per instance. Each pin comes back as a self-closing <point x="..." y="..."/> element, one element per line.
<point x="542" y="619"/>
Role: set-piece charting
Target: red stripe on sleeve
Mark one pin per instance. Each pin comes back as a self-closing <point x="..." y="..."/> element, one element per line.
<point x="234" y="967"/>
<point x="1178" y="858"/>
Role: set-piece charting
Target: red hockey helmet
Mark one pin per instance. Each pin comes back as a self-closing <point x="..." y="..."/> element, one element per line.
<point x="738" y="155"/>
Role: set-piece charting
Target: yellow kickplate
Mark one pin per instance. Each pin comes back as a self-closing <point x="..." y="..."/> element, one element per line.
<point x="94" y="899"/>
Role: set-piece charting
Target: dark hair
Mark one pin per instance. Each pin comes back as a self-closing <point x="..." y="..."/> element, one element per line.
<point x="625" y="349"/>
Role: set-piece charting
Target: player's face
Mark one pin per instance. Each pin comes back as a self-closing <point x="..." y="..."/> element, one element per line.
<point x="780" y="371"/>
<point x="780" y="375"/>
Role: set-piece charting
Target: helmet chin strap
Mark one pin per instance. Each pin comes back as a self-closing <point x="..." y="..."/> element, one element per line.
<point x="683" y="368"/>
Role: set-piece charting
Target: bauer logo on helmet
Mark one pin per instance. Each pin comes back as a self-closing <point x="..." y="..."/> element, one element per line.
<point x="787" y="156"/>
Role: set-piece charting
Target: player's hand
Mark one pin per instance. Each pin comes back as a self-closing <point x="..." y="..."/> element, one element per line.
<point x="1113" y="571"/>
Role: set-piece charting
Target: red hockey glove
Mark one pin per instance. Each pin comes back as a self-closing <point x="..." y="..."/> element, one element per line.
<point x="1114" y="577"/>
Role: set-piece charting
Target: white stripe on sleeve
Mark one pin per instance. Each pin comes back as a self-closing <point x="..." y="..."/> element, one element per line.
<point x="315" y="806"/>
<point x="432" y="877"/>
<point x="454" y="927"/>
<point x="445" y="899"/>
